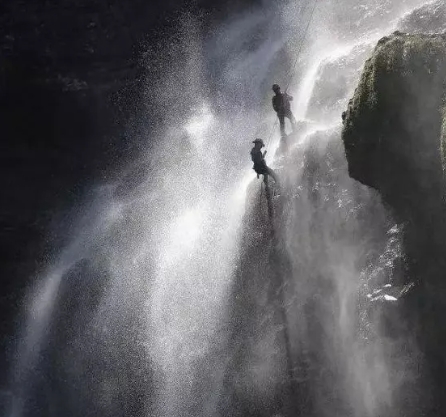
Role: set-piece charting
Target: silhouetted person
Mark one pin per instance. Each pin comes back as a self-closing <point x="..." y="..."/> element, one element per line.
<point x="260" y="166"/>
<point x="281" y="105"/>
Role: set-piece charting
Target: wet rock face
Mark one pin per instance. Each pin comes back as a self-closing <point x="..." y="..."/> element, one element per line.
<point x="393" y="125"/>
<point x="394" y="133"/>
<point x="393" y="130"/>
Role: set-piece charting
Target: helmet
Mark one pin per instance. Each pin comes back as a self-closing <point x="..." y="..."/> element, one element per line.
<point x="258" y="140"/>
<point x="276" y="87"/>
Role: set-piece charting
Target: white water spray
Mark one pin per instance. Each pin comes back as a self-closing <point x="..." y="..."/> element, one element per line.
<point x="165" y="252"/>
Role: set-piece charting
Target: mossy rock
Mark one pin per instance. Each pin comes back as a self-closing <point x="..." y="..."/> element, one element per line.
<point x="394" y="125"/>
<point x="395" y="141"/>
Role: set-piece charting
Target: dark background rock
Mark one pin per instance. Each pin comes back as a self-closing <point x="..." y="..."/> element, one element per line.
<point x="71" y="77"/>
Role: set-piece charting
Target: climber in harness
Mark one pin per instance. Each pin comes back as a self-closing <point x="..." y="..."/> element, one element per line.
<point x="260" y="167"/>
<point x="281" y="105"/>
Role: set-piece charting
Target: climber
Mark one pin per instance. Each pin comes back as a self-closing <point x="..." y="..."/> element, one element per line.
<point x="281" y="105"/>
<point x="260" y="166"/>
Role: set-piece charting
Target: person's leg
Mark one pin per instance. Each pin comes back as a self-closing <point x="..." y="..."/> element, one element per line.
<point x="272" y="173"/>
<point x="282" y="123"/>
<point x="292" y="119"/>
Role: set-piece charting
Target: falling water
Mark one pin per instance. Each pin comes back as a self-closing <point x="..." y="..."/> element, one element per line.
<point x="134" y="316"/>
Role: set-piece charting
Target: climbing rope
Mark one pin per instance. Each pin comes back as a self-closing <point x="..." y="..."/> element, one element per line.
<point x="292" y="70"/>
<point x="282" y="309"/>
<point x="291" y="73"/>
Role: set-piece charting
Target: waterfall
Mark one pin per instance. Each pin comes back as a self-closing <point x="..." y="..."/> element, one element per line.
<point x="135" y="316"/>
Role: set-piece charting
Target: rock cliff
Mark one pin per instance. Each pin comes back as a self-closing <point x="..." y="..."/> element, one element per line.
<point x="394" y="137"/>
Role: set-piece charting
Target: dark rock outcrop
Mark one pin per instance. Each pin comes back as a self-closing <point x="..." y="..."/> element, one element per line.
<point x="394" y="133"/>
<point x="392" y="128"/>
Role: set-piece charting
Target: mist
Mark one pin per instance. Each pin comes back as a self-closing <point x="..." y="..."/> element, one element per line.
<point x="138" y="315"/>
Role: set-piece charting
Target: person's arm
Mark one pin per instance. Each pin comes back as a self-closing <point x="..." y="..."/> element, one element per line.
<point x="275" y="106"/>
<point x="290" y="98"/>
